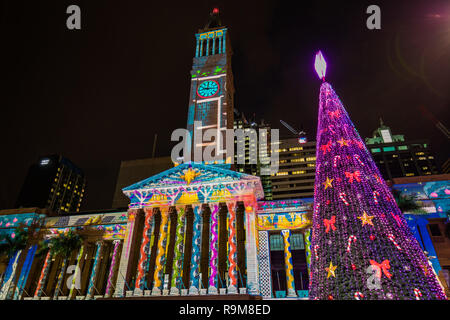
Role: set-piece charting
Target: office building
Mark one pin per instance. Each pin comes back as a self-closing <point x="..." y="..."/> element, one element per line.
<point x="55" y="183"/>
<point x="397" y="157"/>
<point x="297" y="169"/>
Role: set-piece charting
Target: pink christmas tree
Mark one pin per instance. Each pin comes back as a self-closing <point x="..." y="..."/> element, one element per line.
<point x="362" y="247"/>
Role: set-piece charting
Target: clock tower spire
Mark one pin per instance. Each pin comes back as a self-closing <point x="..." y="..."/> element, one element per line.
<point x="211" y="98"/>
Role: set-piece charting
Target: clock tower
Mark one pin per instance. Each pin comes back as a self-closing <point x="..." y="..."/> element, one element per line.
<point x="211" y="96"/>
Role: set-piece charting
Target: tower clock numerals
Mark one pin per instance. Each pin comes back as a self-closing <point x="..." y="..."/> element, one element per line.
<point x="208" y="88"/>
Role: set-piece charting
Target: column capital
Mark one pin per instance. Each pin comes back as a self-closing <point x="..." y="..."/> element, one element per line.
<point x="164" y="210"/>
<point x="117" y="241"/>
<point x="99" y="243"/>
<point x="231" y="205"/>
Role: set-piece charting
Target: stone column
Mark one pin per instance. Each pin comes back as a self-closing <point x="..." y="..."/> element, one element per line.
<point x="43" y="276"/>
<point x="265" y="276"/>
<point x="95" y="268"/>
<point x="59" y="281"/>
<point x="197" y="47"/>
<point x="8" y="281"/>
<point x="251" y="248"/>
<point x="161" y="253"/>
<point x="126" y="250"/>
<point x="288" y="264"/>
<point x="224" y="42"/>
<point x="196" y="245"/>
<point x="232" y="249"/>
<point x="112" y="269"/>
<point x="178" y="252"/>
<point x="307" y="237"/>
<point x="213" y="249"/>
<point x="207" y="46"/>
<point x="144" y="251"/>
<point x="72" y="292"/>
<point x="201" y="48"/>
<point x="213" y="45"/>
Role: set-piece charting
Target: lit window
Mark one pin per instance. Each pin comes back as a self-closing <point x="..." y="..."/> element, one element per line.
<point x="388" y="149"/>
<point x="311" y="159"/>
<point x="295" y="149"/>
<point x="299" y="172"/>
<point x="419" y="153"/>
<point x="298" y="160"/>
<point x="402" y="147"/>
<point x="375" y="150"/>
<point x="409" y="174"/>
<point x="282" y="173"/>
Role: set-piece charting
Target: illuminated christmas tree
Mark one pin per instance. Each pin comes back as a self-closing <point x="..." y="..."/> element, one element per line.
<point x="361" y="245"/>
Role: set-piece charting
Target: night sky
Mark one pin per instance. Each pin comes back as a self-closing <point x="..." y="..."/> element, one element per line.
<point x="98" y="95"/>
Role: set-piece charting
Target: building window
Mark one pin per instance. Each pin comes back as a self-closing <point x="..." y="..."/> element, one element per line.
<point x="276" y="242"/>
<point x="375" y="150"/>
<point x="297" y="241"/>
<point x="434" y="230"/>
<point x="402" y="147"/>
<point x="388" y="149"/>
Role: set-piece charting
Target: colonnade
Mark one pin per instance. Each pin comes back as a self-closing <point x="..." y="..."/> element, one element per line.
<point x="179" y="251"/>
<point x="206" y="45"/>
<point x="84" y="277"/>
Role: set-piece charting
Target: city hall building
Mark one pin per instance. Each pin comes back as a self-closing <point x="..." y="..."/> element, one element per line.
<point x="194" y="230"/>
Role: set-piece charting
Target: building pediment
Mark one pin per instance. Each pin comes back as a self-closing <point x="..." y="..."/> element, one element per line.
<point x="191" y="183"/>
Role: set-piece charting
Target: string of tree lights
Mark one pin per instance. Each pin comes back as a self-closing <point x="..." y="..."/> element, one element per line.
<point x="362" y="246"/>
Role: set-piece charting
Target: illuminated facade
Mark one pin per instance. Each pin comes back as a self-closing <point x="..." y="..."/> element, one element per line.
<point x="211" y="99"/>
<point x="192" y="230"/>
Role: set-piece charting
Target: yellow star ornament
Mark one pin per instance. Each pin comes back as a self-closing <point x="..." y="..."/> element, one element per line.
<point x="190" y="175"/>
<point x="327" y="183"/>
<point x="331" y="270"/>
<point x="365" y="219"/>
<point x="343" y="142"/>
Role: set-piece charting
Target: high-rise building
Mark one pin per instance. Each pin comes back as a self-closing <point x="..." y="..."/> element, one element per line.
<point x="212" y="90"/>
<point x="396" y="157"/>
<point x="297" y="168"/>
<point x="254" y="157"/>
<point x="55" y="183"/>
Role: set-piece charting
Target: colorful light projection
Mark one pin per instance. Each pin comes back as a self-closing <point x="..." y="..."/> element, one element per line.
<point x="366" y="231"/>
<point x="191" y="183"/>
<point x="283" y="220"/>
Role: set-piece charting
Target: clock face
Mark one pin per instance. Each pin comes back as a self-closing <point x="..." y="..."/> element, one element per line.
<point x="208" y="88"/>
